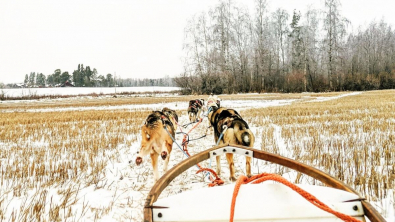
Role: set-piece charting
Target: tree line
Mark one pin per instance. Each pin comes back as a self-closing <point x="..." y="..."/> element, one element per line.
<point x="87" y="77"/>
<point x="228" y="50"/>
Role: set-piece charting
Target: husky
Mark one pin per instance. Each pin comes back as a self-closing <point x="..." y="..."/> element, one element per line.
<point x="157" y="135"/>
<point x="195" y="109"/>
<point x="237" y="132"/>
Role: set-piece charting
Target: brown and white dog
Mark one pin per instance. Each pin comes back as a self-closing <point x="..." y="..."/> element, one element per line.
<point x="237" y="132"/>
<point x="195" y="109"/>
<point x="156" y="138"/>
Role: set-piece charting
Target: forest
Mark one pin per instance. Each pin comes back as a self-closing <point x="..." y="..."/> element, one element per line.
<point x="230" y="50"/>
<point x="87" y="77"/>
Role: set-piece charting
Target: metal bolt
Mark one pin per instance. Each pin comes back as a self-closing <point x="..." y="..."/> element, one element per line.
<point x="355" y="207"/>
<point x="214" y="153"/>
<point x="234" y="150"/>
<point x="160" y="215"/>
<point x="224" y="150"/>
<point x="247" y="153"/>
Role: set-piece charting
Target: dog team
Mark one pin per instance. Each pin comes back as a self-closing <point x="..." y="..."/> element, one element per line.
<point x="158" y="133"/>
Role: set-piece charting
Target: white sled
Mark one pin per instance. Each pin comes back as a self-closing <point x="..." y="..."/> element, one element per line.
<point x="255" y="202"/>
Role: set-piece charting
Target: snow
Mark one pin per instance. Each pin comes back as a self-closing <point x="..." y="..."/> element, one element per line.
<point x="120" y="194"/>
<point x="63" y="91"/>
<point x="323" y="99"/>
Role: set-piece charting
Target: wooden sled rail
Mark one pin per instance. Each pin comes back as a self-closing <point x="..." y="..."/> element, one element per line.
<point x="164" y="181"/>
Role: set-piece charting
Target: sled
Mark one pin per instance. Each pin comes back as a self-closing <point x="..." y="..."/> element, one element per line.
<point x="255" y="202"/>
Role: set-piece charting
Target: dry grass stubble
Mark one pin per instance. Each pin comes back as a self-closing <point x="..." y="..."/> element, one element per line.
<point x="351" y="138"/>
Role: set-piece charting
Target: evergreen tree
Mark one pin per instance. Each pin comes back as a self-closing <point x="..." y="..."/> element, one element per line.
<point x="32" y="78"/>
<point x="56" y="77"/>
<point x="50" y="80"/>
<point x="40" y="80"/>
<point x="26" y="79"/>
<point x="64" y="77"/>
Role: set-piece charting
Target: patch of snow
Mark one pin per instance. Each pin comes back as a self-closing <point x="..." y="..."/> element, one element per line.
<point x="323" y="99"/>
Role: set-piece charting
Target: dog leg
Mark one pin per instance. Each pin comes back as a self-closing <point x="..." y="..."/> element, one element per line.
<point x="164" y="152"/>
<point x="191" y="117"/>
<point x="218" y="158"/>
<point x="154" y="158"/>
<point x="248" y="166"/>
<point x="229" y="158"/>
<point x="144" y="150"/>
<point x="199" y="114"/>
<point x="169" y="147"/>
<point x="218" y="165"/>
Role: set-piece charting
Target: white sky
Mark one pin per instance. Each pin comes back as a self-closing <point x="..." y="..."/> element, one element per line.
<point x="129" y="38"/>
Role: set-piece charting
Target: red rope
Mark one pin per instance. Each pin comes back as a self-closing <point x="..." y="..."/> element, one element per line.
<point x="184" y="143"/>
<point x="184" y="140"/>
<point x="180" y="127"/>
<point x="267" y="176"/>
<point x="216" y="182"/>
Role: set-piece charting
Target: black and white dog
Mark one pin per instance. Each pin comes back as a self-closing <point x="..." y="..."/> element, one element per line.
<point x="195" y="109"/>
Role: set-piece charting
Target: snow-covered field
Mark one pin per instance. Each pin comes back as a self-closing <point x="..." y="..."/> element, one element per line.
<point x="63" y="91"/>
<point x="121" y="188"/>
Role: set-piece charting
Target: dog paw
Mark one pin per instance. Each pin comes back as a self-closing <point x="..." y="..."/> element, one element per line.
<point x="163" y="155"/>
<point x="249" y="175"/>
<point x="139" y="160"/>
<point x="233" y="179"/>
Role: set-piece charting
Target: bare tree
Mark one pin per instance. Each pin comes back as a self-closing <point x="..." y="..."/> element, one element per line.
<point x="261" y="50"/>
<point x="280" y="30"/>
<point x="335" y="27"/>
<point x="227" y="51"/>
<point x="310" y="47"/>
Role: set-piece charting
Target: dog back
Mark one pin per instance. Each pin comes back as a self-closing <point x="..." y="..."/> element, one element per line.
<point x="157" y="120"/>
<point x="232" y="120"/>
<point x="171" y="115"/>
<point x="195" y="105"/>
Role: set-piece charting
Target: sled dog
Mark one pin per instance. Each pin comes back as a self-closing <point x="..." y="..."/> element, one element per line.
<point x="237" y="132"/>
<point x="195" y="109"/>
<point x="157" y="135"/>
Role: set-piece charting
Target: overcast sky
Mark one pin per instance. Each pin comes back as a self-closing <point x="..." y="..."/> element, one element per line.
<point x="128" y="38"/>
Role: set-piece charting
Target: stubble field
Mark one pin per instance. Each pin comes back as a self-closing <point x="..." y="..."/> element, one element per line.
<point x="68" y="159"/>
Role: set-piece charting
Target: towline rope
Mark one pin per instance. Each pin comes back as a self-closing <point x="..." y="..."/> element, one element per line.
<point x="184" y="143"/>
<point x="185" y="153"/>
<point x="178" y="124"/>
<point x="269" y="176"/>
<point x="186" y="140"/>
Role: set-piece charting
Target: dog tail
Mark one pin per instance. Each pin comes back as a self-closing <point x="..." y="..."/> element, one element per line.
<point x="246" y="138"/>
<point x="242" y="133"/>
